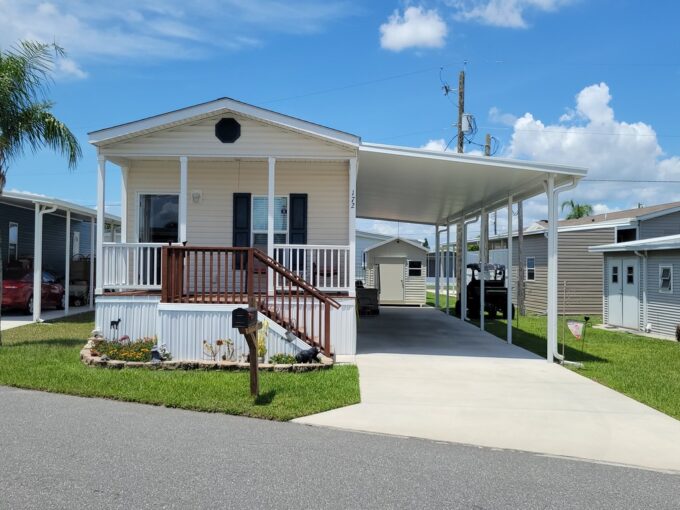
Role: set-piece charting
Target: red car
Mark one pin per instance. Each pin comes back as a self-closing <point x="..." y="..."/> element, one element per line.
<point x="17" y="290"/>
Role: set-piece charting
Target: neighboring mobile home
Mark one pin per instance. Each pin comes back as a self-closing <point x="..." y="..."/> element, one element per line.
<point x="580" y="269"/>
<point x="397" y="268"/>
<point x="641" y="285"/>
<point x="225" y="203"/>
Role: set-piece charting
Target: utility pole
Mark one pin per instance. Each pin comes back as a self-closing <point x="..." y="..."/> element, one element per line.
<point x="461" y="109"/>
<point x="460" y="271"/>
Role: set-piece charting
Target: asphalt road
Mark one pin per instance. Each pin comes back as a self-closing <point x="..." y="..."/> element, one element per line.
<point x="59" y="451"/>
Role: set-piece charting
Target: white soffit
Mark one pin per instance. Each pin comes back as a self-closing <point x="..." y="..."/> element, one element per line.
<point x="429" y="187"/>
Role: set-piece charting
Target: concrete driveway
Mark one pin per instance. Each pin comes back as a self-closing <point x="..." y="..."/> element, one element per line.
<point x="424" y="374"/>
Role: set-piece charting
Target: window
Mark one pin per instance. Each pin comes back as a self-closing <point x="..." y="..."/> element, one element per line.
<point x="666" y="278"/>
<point x="260" y="210"/>
<point x="530" y="272"/>
<point x="13" y="243"/>
<point x="626" y="234"/>
<point x="158" y="218"/>
<point x="415" y="268"/>
<point x="615" y="274"/>
<point x="630" y="275"/>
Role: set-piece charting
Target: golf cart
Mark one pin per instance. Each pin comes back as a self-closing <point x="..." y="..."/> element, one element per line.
<point x="495" y="292"/>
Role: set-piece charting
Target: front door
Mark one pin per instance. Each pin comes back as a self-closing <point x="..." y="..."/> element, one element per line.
<point x="623" y="304"/>
<point x="391" y="283"/>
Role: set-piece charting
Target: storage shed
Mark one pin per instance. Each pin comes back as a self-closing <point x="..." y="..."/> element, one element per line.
<point x="397" y="268"/>
<point x="642" y="284"/>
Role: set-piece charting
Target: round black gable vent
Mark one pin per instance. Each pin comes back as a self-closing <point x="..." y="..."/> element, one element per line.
<point x="227" y="130"/>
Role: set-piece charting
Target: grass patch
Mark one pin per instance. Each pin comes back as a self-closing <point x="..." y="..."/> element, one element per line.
<point x="47" y="357"/>
<point x="643" y="368"/>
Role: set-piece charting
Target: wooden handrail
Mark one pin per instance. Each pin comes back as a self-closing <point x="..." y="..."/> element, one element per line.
<point x="291" y="276"/>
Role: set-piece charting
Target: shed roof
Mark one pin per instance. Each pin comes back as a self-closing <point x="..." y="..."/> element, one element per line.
<point x="397" y="239"/>
<point x="653" y="243"/>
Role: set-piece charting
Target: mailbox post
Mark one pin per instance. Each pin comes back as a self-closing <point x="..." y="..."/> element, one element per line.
<point x="245" y="319"/>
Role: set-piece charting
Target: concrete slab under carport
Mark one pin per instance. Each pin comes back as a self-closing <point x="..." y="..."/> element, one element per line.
<point x="13" y="319"/>
<point x="428" y="375"/>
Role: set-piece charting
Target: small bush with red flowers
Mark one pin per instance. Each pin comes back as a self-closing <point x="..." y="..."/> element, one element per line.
<point x="125" y="349"/>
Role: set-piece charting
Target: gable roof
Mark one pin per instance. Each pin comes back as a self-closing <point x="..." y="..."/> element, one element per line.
<point x="653" y="243"/>
<point x="371" y="235"/>
<point x="212" y="108"/>
<point x="397" y="239"/>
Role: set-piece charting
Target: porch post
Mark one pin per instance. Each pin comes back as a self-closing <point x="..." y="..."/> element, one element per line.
<point x="483" y="225"/>
<point x="37" y="263"/>
<point x="352" y="224"/>
<point x="508" y="273"/>
<point x="436" y="266"/>
<point x="271" y="193"/>
<point x="93" y="248"/>
<point x="124" y="171"/>
<point x="99" y="260"/>
<point x="552" y="269"/>
<point x="447" y="264"/>
<point x="67" y="263"/>
<point x="183" y="196"/>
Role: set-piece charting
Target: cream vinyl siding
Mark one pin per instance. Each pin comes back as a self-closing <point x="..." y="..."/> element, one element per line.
<point x="209" y="222"/>
<point x="258" y="139"/>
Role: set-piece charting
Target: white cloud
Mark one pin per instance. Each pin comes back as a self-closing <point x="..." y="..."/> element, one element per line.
<point x="417" y="28"/>
<point x="499" y="117"/>
<point x="591" y="136"/>
<point x="503" y="13"/>
<point x="435" y="145"/>
<point x="152" y="30"/>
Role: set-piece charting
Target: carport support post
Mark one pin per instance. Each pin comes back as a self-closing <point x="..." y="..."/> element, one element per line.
<point x="483" y="226"/>
<point x="447" y="269"/>
<point x="508" y="274"/>
<point x="552" y="268"/>
<point x="463" y="270"/>
<point x="93" y="248"/>
<point x="37" y="263"/>
<point x="67" y="263"/>
<point x="436" y="266"/>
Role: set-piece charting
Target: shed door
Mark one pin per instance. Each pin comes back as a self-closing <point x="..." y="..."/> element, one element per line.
<point x="391" y="282"/>
<point x="623" y="302"/>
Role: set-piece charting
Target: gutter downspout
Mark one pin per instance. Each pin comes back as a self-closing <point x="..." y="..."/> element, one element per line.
<point x="553" y="275"/>
<point x="643" y="261"/>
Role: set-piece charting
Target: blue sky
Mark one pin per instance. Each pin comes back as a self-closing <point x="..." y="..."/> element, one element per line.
<point x="592" y="83"/>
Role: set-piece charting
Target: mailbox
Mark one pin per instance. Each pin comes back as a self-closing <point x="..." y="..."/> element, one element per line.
<point x="244" y="317"/>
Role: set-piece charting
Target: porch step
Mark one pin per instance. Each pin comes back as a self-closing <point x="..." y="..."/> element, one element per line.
<point x="290" y="326"/>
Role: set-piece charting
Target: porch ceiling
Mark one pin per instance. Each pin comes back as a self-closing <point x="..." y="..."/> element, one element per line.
<point x="429" y="187"/>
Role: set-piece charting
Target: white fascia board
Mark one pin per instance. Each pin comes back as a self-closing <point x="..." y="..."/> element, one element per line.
<point x="651" y="244"/>
<point x="176" y="117"/>
<point x="56" y="202"/>
<point x="480" y="160"/>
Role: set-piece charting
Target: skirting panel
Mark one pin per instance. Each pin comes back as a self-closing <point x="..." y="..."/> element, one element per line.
<point x="137" y="316"/>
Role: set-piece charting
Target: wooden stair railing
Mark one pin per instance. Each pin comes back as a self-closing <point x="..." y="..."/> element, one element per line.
<point x="192" y="274"/>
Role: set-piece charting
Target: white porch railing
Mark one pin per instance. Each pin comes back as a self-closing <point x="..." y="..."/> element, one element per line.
<point x="132" y="266"/>
<point x="327" y="267"/>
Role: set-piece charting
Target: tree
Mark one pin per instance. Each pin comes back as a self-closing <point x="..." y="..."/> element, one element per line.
<point x="577" y="210"/>
<point x="26" y="119"/>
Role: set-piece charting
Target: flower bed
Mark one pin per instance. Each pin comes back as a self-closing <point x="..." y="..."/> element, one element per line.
<point x="124" y="350"/>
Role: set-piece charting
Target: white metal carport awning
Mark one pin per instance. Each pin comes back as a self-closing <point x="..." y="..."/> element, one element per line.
<point x="436" y="187"/>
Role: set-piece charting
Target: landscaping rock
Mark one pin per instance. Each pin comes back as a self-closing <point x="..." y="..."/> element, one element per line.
<point x="114" y="363"/>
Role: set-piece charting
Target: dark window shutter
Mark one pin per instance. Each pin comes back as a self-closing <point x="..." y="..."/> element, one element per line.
<point x="298" y="218"/>
<point x="241" y="225"/>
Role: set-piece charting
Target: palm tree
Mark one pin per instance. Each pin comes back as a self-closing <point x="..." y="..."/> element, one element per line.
<point x="577" y="210"/>
<point x="26" y="119"/>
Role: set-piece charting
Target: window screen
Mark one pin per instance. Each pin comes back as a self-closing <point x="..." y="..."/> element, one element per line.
<point x="13" y="241"/>
<point x="531" y="269"/>
<point x="666" y="279"/>
<point x="415" y="268"/>
<point x="260" y="210"/>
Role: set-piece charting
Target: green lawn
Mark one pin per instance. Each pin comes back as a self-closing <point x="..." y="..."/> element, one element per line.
<point x="46" y="357"/>
<point x="645" y="369"/>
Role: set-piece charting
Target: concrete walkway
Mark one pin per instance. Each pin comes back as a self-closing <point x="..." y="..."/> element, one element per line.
<point x="424" y="374"/>
<point x="14" y="319"/>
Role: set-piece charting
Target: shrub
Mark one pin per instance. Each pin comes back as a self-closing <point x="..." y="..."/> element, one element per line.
<point x="282" y="359"/>
<point x="139" y="350"/>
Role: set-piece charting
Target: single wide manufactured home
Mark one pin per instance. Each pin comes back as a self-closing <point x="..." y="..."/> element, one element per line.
<point x="225" y="204"/>
<point x="397" y="268"/>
